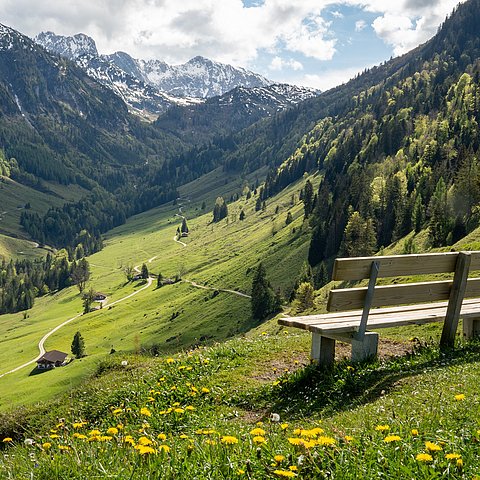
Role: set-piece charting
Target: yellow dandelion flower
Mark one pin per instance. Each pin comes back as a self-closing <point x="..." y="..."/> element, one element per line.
<point x="190" y="408"/>
<point x="285" y="473"/>
<point x="53" y="436"/>
<point x="145" y="411"/>
<point x="284" y="426"/>
<point x="453" y="456"/>
<point x="117" y="411"/>
<point x="210" y="442"/>
<point x="46" y="445"/>
<point x="309" y="443"/>
<point x="170" y="360"/>
<point x="105" y="438"/>
<point x="162" y="437"/>
<point x="94" y="432"/>
<point x="112" y="431"/>
<point x="94" y="438"/>
<point x="414" y="431"/>
<point x="382" y="428"/>
<point x="392" y="438"/>
<point x="293" y="468"/>
<point x="240" y="471"/>
<point x="460" y="396"/>
<point x="258" y="431"/>
<point x="275" y="383"/>
<point x="80" y="436"/>
<point x="120" y="426"/>
<point x="144" y="441"/>
<point x="205" y="390"/>
<point x="129" y="439"/>
<point x="349" y="438"/>
<point x="229" y="440"/>
<point x="8" y="439"/>
<point x="432" y="447"/>
<point x="259" y="424"/>
<point x="459" y="463"/>
<point x="164" y="448"/>
<point x="78" y="425"/>
<point x="259" y="440"/>
<point x="183" y="436"/>
<point x="296" y="441"/>
<point x="64" y="448"/>
<point x="297" y="431"/>
<point x="53" y="431"/>
<point x="145" y="450"/>
<point x="179" y="410"/>
<point x="326" y="441"/>
<point x="424" y="457"/>
<point x="279" y="458"/>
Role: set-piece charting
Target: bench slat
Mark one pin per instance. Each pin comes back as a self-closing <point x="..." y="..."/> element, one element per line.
<point x="330" y="324"/>
<point x="400" y="265"/>
<point x="353" y="298"/>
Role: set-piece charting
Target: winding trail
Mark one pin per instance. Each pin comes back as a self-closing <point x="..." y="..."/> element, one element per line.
<point x="41" y="343"/>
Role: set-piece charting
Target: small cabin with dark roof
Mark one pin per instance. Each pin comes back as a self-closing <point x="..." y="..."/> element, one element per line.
<point x="52" y="359"/>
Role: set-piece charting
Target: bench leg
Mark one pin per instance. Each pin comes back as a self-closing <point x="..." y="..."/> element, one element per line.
<point x="323" y="350"/>
<point x="366" y="348"/>
<point x="471" y="328"/>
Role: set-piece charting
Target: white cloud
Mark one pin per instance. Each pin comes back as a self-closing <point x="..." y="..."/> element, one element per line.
<point x="329" y="79"/>
<point x="279" y="63"/>
<point x="337" y="14"/>
<point x="360" y="25"/>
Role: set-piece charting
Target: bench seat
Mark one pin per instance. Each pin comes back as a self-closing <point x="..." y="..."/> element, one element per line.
<point x="334" y="325"/>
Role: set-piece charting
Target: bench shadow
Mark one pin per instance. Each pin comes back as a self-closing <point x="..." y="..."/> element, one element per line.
<point x="347" y="386"/>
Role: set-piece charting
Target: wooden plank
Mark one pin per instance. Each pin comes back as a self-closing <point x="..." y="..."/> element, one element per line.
<point x="354" y="298"/>
<point x="400" y="265"/>
<point x="368" y="300"/>
<point x="457" y="293"/>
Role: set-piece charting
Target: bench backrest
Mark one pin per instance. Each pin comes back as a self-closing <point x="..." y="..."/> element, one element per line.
<point x="401" y="265"/>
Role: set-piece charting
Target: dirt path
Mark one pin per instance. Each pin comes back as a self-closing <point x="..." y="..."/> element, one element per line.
<point x="205" y="287"/>
<point x="41" y="343"/>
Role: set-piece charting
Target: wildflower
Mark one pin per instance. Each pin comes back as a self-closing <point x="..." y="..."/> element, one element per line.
<point x="296" y="441"/>
<point x="229" y="440"/>
<point x="275" y="417"/>
<point x="162" y="437"/>
<point x="459" y="463"/>
<point x="112" y="431"/>
<point x="240" y="471"/>
<point x="279" y="458"/>
<point x="129" y="439"/>
<point x="117" y="411"/>
<point x="349" y="438"/>
<point x="326" y="441"/>
<point x="104" y="438"/>
<point x="210" y="442"/>
<point x="64" y="448"/>
<point x="53" y="436"/>
<point x="179" y="410"/>
<point x="259" y="439"/>
<point x="7" y="440"/>
<point x="183" y="436"/>
<point x="145" y="411"/>
<point x="424" y="457"/>
<point x="93" y="432"/>
<point x="284" y="426"/>
<point x="164" y="448"/>
<point x="144" y="450"/>
<point x="382" y="428"/>
<point x="350" y="368"/>
<point x="285" y="473"/>
<point x="275" y="383"/>
<point x="257" y="431"/>
<point x="293" y="468"/>
<point x="46" y="445"/>
<point x="453" y="456"/>
<point x="392" y="438"/>
<point x="124" y="363"/>
<point x="80" y="436"/>
<point x="78" y="425"/>
<point x="205" y="390"/>
<point x="144" y="441"/>
<point x="414" y="431"/>
<point x="190" y="408"/>
<point x="432" y="447"/>
<point x="170" y="360"/>
<point x="460" y="396"/>
<point x="29" y="441"/>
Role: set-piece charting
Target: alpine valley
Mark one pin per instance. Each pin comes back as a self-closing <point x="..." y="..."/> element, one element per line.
<point x="157" y="220"/>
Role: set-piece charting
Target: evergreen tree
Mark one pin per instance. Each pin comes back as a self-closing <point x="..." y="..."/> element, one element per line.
<point x="321" y="276"/>
<point x="418" y="214"/>
<point x="184" y="228"/>
<point x="289" y="218"/>
<point x="304" y="296"/>
<point x="308" y="198"/>
<point x="220" y="210"/>
<point x="258" y="204"/>
<point x="144" y="272"/>
<point x="440" y="223"/>
<point x="242" y="215"/>
<point x="88" y="300"/>
<point x="159" y="280"/>
<point x="359" y="238"/>
<point x="78" y="345"/>
<point x="264" y="300"/>
<point x="80" y="274"/>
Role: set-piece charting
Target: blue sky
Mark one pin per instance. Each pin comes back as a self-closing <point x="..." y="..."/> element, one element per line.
<point x="317" y="43"/>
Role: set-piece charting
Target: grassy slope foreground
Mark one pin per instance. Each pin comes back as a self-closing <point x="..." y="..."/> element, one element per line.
<point x="167" y="319"/>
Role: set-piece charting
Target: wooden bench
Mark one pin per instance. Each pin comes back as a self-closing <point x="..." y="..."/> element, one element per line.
<point x="359" y="310"/>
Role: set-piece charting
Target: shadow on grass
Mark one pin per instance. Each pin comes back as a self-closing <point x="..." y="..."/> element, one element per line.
<point x="347" y="386"/>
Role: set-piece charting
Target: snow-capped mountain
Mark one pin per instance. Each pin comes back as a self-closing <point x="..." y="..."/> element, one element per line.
<point x="199" y="77"/>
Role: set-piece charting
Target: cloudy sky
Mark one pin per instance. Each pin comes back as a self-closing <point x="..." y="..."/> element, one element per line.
<point x="318" y="43"/>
